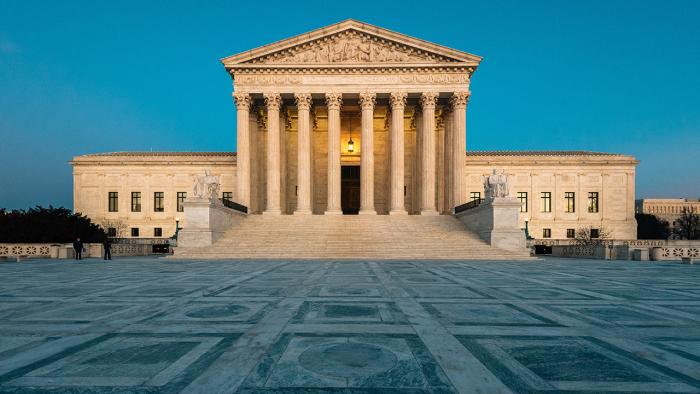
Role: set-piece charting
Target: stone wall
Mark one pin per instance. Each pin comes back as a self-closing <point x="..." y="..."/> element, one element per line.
<point x="611" y="176"/>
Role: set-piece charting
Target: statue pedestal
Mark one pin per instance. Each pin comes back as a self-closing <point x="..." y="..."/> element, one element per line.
<point x="205" y="221"/>
<point x="496" y="222"/>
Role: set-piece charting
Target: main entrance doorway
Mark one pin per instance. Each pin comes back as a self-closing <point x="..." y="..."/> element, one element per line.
<point x="350" y="190"/>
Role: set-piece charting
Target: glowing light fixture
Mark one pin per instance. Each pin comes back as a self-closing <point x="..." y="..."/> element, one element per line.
<point x="351" y="143"/>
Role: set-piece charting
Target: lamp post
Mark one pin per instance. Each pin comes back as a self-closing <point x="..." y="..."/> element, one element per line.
<point x="177" y="227"/>
<point x="527" y="231"/>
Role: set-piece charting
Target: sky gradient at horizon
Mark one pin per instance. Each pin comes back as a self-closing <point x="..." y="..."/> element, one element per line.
<point x="82" y="77"/>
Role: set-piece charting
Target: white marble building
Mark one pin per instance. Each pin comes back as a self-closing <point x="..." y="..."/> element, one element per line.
<point x="353" y="118"/>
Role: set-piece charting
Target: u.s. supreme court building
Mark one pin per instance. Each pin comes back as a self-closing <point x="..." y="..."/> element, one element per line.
<point x="356" y="119"/>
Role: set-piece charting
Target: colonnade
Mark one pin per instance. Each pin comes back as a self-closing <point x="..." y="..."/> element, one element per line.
<point x="455" y="151"/>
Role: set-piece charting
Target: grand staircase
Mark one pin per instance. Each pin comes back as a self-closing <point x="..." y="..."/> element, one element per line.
<point x="350" y="237"/>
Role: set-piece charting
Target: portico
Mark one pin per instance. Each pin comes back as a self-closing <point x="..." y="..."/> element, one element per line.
<point x="300" y="101"/>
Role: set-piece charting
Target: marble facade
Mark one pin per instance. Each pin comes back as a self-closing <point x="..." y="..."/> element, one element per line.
<point x="402" y="102"/>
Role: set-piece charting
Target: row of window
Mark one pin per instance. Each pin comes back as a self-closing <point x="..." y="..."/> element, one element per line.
<point x="570" y="233"/>
<point x="546" y="201"/>
<point x="158" y="201"/>
<point x="157" y="232"/>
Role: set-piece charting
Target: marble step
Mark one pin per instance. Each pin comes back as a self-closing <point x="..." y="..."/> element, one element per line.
<point x="350" y="237"/>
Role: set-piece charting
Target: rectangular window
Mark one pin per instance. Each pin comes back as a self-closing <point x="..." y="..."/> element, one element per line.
<point x="570" y="233"/>
<point x="157" y="232"/>
<point x="181" y="196"/>
<point x="113" y="202"/>
<point x="158" y="202"/>
<point x="134" y="231"/>
<point x="111" y="232"/>
<point x="546" y="202"/>
<point x="475" y="196"/>
<point x="135" y="201"/>
<point x="546" y="233"/>
<point x="228" y="196"/>
<point x="522" y="196"/>
<point x="593" y="202"/>
<point x="569" y="202"/>
<point x="595" y="233"/>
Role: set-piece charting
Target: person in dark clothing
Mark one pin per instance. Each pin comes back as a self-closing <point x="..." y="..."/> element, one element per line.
<point x="107" y="245"/>
<point x="78" y="247"/>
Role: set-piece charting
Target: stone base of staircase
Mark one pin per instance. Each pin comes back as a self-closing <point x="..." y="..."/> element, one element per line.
<point x="350" y="237"/>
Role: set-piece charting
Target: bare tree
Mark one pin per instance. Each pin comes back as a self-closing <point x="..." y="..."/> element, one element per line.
<point x="687" y="225"/>
<point x="589" y="235"/>
<point x="118" y="225"/>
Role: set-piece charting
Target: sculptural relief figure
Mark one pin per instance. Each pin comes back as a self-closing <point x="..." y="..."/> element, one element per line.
<point x="206" y="186"/>
<point x="352" y="48"/>
<point x="496" y="185"/>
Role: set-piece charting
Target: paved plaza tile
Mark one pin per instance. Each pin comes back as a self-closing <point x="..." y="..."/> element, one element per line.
<point x="155" y="325"/>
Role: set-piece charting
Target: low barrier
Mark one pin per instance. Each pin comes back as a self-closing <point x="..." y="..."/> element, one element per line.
<point x="660" y="250"/>
<point x="120" y="247"/>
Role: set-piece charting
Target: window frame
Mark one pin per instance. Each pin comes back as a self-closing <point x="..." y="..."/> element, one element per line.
<point x="158" y="201"/>
<point x="593" y="197"/>
<point x="570" y="233"/>
<point x="135" y="232"/>
<point x="570" y="202"/>
<point x="595" y="231"/>
<point x="227" y="196"/>
<point x="112" y="201"/>
<point x="546" y="202"/>
<point x="136" y="196"/>
<point x="473" y="196"/>
<point x="522" y="197"/>
<point x="546" y="233"/>
<point x="180" y="197"/>
<point x="157" y="231"/>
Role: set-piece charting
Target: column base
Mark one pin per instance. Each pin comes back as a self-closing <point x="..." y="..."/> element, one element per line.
<point x="334" y="212"/>
<point x="367" y="212"/>
<point x="398" y="212"/>
<point x="429" y="212"/>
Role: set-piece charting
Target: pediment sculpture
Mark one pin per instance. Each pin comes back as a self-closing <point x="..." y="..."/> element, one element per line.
<point x="351" y="47"/>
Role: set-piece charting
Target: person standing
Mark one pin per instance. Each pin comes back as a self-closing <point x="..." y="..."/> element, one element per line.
<point x="107" y="245"/>
<point x="78" y="247"/>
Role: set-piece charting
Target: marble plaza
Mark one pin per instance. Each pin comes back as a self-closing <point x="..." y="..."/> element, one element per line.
<point x="147" y="325"/>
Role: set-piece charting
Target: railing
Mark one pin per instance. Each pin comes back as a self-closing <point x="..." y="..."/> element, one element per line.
<point x="234" y="205"/>
<point x="471" y="204"/>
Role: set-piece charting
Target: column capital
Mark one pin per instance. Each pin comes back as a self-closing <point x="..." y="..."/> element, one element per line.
<point x="242" y="100"/>
<point x="334" y="100"/>
<point x="273" y="100"/>
<point x="428" y="99"/>
<point x="367" y="100"/>
<point x="460" y="99"/>
<point x="398" y="100"/>
<point x="303" y="100"/>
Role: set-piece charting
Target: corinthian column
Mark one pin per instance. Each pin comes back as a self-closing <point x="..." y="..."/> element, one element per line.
<point x="367" y="101"/>
<point x="243" y="101"/>
<point x="273" y="101"/>
<point x="334" y="101"/>
<point x="304" y="156"/>
<point x="459" y="102"/>
<point x="398" y="104"/>
<point x="428" y="101"/>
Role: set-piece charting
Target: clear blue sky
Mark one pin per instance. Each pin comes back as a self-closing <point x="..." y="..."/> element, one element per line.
<point x="95" y="76"/>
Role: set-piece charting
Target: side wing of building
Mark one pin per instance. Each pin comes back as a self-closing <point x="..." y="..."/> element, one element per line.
<point x="139" y="193"/>
<point x="563" y="191"/>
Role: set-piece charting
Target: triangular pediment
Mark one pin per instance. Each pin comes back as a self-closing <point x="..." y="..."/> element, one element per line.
<point x="351" y="43"/>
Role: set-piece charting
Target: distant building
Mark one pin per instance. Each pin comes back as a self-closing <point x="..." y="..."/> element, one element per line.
<point x="668" y="209"/>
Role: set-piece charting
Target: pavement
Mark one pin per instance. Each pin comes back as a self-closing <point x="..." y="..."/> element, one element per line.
<point x="153" y="325"/>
